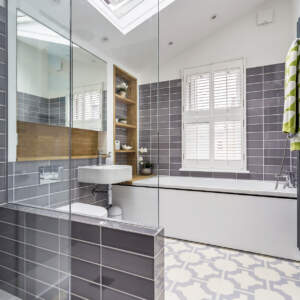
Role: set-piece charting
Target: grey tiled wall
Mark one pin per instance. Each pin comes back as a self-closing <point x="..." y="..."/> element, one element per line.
<point x="101" y="260"/>
<point x="265" y="141"/>
<point x="31" y="108"/>
<point x="25" y="188"/>
<point x="57" y="111"/>
<point x="160" y="110"/>
<point x="3" y="102"/>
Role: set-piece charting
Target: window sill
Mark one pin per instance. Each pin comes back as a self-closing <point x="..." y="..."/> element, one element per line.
<point x="214" y="171"/>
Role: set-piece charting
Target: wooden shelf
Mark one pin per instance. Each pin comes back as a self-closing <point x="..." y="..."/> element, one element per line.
<point x="55" y="158"/>
<point x="125" y="125"/>
<point x="137" y="178"/>
<point x="130" y="102"/>
<point x="141" y="177"/>
<point x="124" y="99"/>
<point x="125" y="151"/>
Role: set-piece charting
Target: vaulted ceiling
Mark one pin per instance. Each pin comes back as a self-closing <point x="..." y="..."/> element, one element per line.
<point x="184" y="22"/>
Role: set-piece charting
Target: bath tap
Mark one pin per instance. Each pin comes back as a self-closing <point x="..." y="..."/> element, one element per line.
<point x="290" y="180"/>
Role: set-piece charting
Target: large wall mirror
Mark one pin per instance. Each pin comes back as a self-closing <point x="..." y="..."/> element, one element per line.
<point x="43" y="68"/>
<point x="43" y="95"/>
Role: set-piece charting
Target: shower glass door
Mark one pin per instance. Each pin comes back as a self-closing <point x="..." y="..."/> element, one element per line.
<point x="35" y="262"/>
<point x="124" y="34"/>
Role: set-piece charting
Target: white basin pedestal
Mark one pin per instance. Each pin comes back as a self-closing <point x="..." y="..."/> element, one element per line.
<point x="106" y="174"/>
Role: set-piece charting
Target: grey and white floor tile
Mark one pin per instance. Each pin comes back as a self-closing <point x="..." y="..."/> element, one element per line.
<point x="201" y="272"/>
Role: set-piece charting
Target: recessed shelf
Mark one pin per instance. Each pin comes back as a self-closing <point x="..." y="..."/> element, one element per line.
<point x="125" y="125"/>
<point x="124" y="99"/>
<point x="130" y="115"/>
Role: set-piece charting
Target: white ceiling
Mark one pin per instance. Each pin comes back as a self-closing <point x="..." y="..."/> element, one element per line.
<point x="185" y="22"/>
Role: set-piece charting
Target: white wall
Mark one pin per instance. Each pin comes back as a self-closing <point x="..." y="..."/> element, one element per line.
<point x="46" y="79"/>
<point x="32" y="80"/>
<point x="261" y="45"/>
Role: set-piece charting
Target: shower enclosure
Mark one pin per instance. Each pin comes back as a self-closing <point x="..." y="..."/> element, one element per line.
<point x="62" y="105"/>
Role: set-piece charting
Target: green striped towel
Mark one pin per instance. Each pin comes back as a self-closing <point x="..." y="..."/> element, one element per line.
<point x="292" y="95"/>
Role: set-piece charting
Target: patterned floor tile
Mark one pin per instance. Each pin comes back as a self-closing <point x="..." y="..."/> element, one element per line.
<point x="287" y="269"/>
<point x="193" y="290"/>
<point x="245" y="260"/>
<point x="202" y="272"/>
<point x="246" y="280"/>
<point x="210" y="253"/>
<point x="291" y="289"/>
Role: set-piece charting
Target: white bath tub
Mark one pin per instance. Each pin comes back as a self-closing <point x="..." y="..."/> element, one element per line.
<point x="250" y="187"/>
<point x="239" y="214"/>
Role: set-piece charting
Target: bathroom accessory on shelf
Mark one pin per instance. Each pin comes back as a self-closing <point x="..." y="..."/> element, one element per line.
<point x="123" y="121"/>
<point x="126" y="147"/>
<point x="117" y="145"/>
<point x="122" y="89"/>
<point x="146" y="168"/>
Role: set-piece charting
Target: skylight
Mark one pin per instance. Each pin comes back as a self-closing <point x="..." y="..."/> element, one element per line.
<point x="126" y="15"/>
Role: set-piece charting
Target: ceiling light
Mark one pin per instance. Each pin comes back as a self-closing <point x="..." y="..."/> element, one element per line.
<point x="170" y="43"/>
<point x="213" y="17"/>
<point x="126" y="15"/>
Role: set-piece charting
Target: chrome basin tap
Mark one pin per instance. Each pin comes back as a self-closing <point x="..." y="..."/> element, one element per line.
<point x="102" y="158"/>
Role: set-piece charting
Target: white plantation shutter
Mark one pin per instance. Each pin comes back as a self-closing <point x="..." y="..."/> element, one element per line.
<point x="228" y="140"/>
<point x="227" y="88"/>
<point x="196" y="144"/>
<point x="197" y="92"/>
<point x="213" y="118"/>
<point x="87" y="105"/>
<point x="78" y="106"/>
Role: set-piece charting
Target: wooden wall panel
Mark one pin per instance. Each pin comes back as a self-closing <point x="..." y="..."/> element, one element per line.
<point x="45" y="142"/>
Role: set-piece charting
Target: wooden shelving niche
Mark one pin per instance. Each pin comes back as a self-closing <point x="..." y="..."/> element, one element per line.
<point x="126" y="108"/>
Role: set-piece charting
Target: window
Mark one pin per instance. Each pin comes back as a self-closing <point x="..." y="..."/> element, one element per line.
<point x="87" y="107"/>
<point x="127" y="15"/>
<point x="213" y="118"/>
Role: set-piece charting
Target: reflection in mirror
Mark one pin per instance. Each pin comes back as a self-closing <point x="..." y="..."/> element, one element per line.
<point x="42" y="73"/>
<point x="89" y="90"/>
<point x="43" y="95"/>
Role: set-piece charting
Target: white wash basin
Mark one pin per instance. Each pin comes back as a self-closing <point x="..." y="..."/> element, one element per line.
<point x="107" y="174"/>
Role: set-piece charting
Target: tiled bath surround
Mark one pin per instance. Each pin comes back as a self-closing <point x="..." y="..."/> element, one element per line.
<point x="264" y="108"/>
<point x="108" y="260"/>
